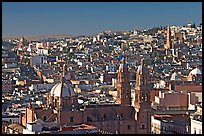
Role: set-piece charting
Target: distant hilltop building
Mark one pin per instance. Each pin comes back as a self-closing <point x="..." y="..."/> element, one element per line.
<point x="120" y="118"/>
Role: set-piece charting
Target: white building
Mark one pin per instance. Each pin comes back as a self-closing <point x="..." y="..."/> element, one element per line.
<point x="33" y="128"/>
<point x="196" y="125"/>
<point x="196" y="121"/>
<point x="168" y="124"/>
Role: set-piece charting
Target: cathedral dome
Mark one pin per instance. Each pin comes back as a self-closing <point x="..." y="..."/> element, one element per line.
<point x="62" y="89"/>
<point x="195" y="71"/>
<point x="175" y="77"/>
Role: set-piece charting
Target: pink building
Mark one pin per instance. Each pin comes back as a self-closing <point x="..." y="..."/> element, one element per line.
<point x="175" y="100"/>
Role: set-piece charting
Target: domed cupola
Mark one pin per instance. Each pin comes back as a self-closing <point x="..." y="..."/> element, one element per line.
<point x="62" y="89"/>
<point x="62" y="95"/>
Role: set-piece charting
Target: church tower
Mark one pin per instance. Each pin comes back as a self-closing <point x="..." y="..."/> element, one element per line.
<point x="142" y="100"/>
<point x="168" y="39"/>
<point x="123" y="85"/>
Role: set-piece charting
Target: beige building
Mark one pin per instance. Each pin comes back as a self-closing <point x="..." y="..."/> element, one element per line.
<point x="170" y="124"/>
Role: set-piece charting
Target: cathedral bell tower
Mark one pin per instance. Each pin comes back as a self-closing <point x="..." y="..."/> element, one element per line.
<point x="168" y="38"/>
<point x="123" y="85"/>
<point x="168" y="41"/>
<point x="142" y="100"/>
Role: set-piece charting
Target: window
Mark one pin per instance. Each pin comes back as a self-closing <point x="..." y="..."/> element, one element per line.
<point x="104" y="116"/>
<point x="143" y="126"/>
<point x="71" y="119"/>
<point x="55" y="103"/>
<point x="121" y="115"/>
<point x="137" y="115"/>
<point x="194" y="130"/>
<point x="146" y="98"/>
<point x="200" y="131"/>
<point x="128" y="127"/>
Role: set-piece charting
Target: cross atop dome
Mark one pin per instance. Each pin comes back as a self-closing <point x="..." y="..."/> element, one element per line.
<point x="63" y="73"/>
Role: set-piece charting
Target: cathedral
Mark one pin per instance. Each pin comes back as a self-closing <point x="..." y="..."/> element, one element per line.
<point x="119" y="118"/>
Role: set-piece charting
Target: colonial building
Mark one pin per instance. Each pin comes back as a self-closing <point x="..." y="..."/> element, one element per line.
<point x="120" y="117"/>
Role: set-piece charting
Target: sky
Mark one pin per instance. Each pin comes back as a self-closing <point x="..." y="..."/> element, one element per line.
<point x="88" y="18"/>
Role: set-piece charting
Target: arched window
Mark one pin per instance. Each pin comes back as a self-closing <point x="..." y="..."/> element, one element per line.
<point x="55" y="102"/>
<point x="194" y="130"/>
<point x="143" y="126"/>
<point x="71" y="119"/>
<point x="104" y="116"/>
<point x="146" y="98"/>
<point x="128" y="127"/>
<point x="137" y="115"/>
<point x="142" y="98"/>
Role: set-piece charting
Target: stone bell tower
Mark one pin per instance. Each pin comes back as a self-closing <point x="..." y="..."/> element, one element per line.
<point x="142" y="100"/>
<point x="168" y="39"/>
<point x="123" y="85"/>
